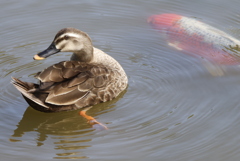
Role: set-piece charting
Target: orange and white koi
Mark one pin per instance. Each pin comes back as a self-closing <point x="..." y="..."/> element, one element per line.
<point x="197" y="38"/>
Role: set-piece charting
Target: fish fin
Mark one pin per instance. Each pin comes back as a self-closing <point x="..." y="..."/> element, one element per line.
<point x="214" y="69"/>
<point x="175" y="45"/>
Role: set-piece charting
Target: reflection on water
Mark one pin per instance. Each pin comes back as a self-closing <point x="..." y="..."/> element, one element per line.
<point x="67" y="129"/>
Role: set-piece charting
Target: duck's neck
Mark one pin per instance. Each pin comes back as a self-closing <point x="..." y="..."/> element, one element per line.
<point x="84" y="55"/>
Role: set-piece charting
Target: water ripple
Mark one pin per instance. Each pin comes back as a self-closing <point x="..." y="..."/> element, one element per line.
<point x="173" y="108"/>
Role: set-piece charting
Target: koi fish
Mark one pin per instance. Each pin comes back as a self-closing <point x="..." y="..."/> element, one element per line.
<point x="198" y="39"/>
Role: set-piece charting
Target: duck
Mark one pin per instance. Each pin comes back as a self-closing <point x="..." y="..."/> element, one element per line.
<point x="90" y="77"/>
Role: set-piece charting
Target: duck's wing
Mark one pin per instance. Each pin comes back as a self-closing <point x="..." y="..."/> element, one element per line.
<point x="79" y="84"/>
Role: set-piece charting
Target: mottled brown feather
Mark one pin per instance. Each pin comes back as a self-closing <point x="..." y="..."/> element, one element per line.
<point x="65" y="98"/>
<point x="82" y="77"/>
<point x="78" y="83"/>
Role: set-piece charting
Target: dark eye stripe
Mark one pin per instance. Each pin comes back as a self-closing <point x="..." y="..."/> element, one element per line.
<point x="59" y="40"/>
<point x="64" y="38"/>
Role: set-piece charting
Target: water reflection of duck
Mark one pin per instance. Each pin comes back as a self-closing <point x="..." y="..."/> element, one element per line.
<point x="91" y="77"/>
<point x="64" y="124"/>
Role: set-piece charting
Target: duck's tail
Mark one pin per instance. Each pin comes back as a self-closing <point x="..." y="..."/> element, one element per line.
<point x="27" y="89"/>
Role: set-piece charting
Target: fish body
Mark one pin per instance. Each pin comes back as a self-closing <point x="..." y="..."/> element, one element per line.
<point x="198" y="39"/>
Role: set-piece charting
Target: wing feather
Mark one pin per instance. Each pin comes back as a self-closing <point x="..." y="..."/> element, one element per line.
<point x="66" y="99"/>
<point x="78" y="83"/>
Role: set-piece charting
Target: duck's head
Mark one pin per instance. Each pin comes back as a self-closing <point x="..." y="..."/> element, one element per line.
<point x="69" y="40"/>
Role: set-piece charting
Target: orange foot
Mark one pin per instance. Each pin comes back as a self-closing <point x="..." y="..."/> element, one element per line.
<point x="92" y="121"/>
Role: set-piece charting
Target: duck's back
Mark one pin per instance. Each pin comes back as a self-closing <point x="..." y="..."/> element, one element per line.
<point x="77" y="84"/>
<point x="109" y="62"/>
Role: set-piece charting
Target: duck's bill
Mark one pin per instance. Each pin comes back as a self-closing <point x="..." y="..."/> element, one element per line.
<point x="46" y="53"/>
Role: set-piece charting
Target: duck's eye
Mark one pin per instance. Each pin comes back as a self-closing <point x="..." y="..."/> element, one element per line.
<point x="66" y="37"/>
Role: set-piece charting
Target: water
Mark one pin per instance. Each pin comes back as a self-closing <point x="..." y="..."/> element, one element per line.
<point x="173" y="109"/>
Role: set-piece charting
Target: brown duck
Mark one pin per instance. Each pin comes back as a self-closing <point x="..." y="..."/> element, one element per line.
<point x="89" y="78"/>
